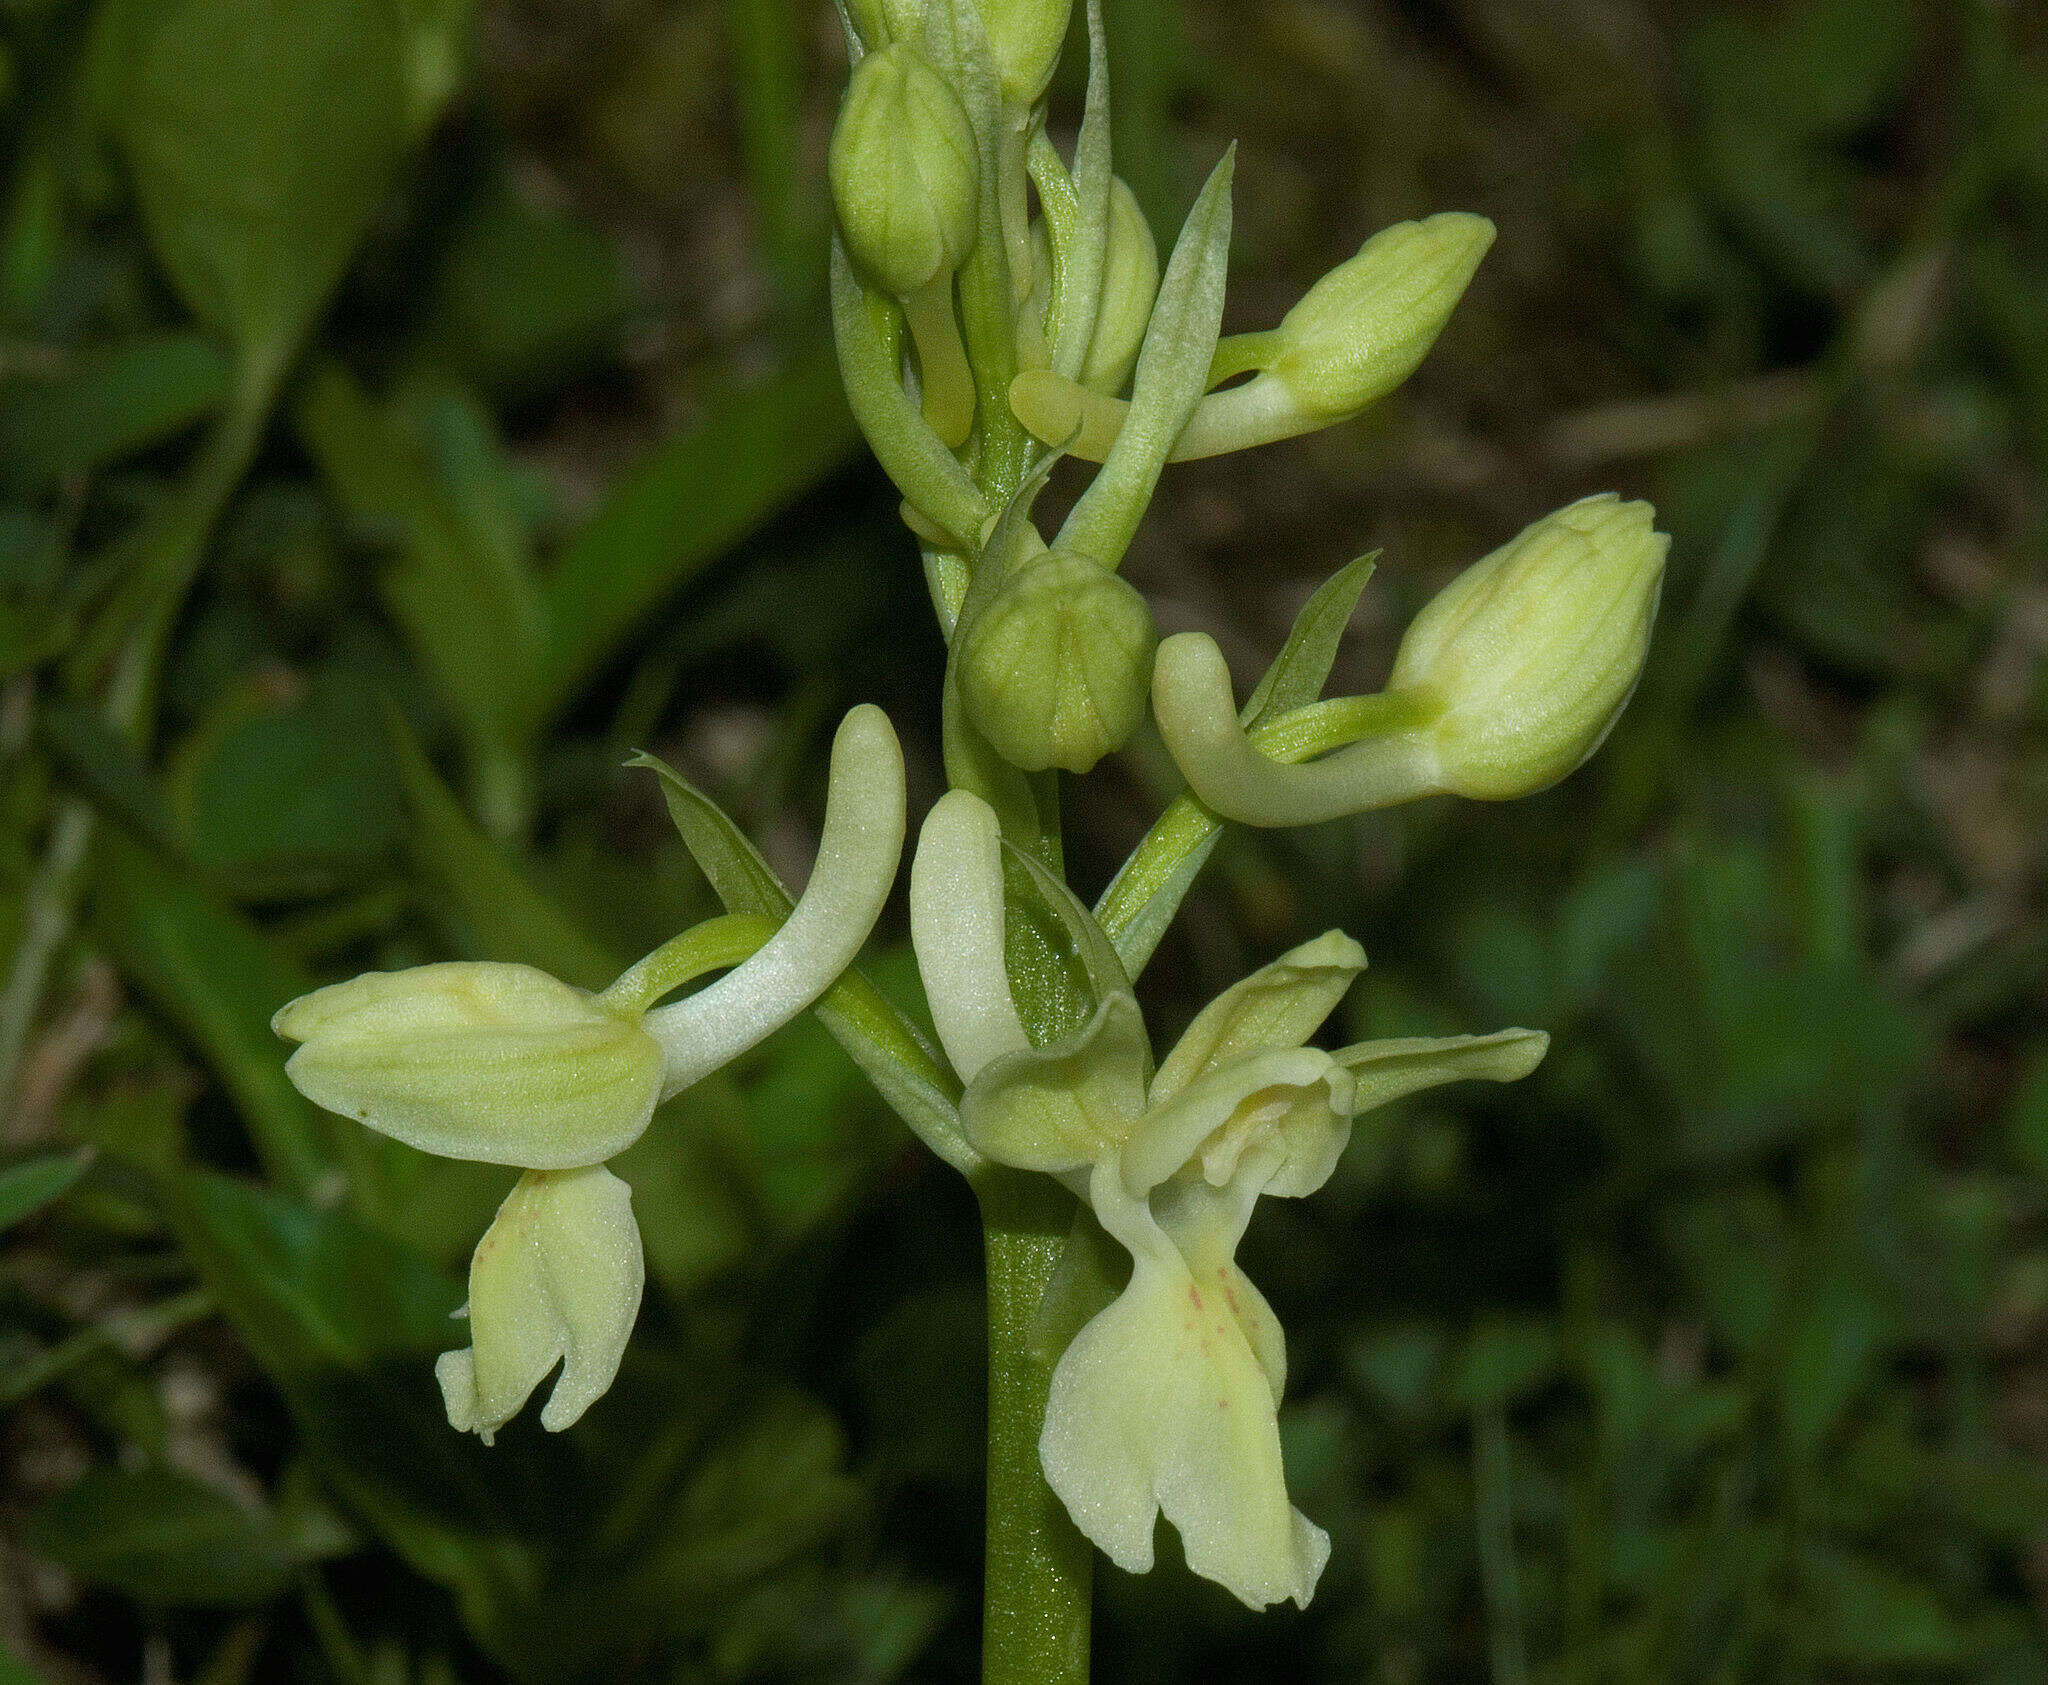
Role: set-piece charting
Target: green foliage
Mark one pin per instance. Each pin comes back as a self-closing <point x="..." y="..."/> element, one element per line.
<point x="423" y="379"/>
<point x="262" y="136"/>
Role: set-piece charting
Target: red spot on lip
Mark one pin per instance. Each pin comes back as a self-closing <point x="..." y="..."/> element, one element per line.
<point x="1194" y="1295"/>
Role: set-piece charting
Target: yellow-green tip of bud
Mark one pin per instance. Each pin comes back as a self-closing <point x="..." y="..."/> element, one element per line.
<point x="1362" y="329"/>
<point x="1054" y="671"/>
<point x="497" y="1063"/>
<point x="904" y="171"/>
<point x="1532" y="653"/>
<point x="1024" y="39"/>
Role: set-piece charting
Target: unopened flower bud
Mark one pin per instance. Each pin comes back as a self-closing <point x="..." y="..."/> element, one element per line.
<point x="556" y="1278"/>
<point x="1130" y="284"/>
<point x="1355" y="336"/>
<point x="1532" y="653"/>
<point x="904" y="171"/>
<point x="497" y="1063"/>
<point x="1054" y="671"/>
<point x="1362" y="329"/>
<point x="1024" y="38"/>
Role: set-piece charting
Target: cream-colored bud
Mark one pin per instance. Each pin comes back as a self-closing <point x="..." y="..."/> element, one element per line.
<point x="1130" y="284"/>
<point x="1361" y="330"/>
<point x="1054" y="671"/>
<point x="904" y="171"/>
<point x="1532" y="653"/>
<point x="498" y="1063"/>
<point x="556" y="1278"/>
<point x="1024" y="38"/>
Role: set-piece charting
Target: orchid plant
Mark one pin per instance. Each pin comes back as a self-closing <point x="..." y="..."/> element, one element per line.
<point x="999" y="305"/>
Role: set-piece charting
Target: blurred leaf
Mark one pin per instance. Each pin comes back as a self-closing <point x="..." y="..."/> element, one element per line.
<point x="500" y="910"/>
<point x="280" y="791"/>
<point x="219" y="979"/>
<point x="105" y="404"/>
<point x="311" y="1290"/>
<point x="771" y="1488"/>
<point x="102" y="766"/>
<point x="262" y="134"/>
<point x="767" y="50"/>
<point x="1504" y="1360"/>
<point x="30" y="636"/>
<point x="347" y="1324"/>
<point x="164" y="1538"/>
<point x="1867" y="1614"/>
<point x="459" y="587"/>
<point x="437" y="42"/>
<point x="14" y="1671"/>
<point x="525" y="295"/>
<point x="2026" y="1114"/>
<point x="1830" y="1357"/>
<point x="27" y="1188"/>
<point x="691" y="501"/>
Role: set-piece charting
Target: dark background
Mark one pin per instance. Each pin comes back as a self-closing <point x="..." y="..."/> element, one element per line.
<point x="1713" y="1352"/>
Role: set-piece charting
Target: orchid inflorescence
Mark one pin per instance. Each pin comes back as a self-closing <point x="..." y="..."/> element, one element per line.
<point x="1000" y="306"/>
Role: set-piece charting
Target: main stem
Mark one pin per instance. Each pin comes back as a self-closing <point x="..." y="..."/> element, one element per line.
<point x="1035" y="1596"/>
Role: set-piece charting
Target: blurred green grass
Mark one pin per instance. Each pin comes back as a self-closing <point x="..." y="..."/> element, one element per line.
<point x="1715" y="1352"/>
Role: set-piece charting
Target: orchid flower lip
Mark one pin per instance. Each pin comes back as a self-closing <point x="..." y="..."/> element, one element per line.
<point x="557" y="1277"/>
<point x="856" y="867"/>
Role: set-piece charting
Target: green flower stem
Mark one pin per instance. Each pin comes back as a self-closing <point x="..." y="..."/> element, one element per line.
<point x="1039" y="1568"/>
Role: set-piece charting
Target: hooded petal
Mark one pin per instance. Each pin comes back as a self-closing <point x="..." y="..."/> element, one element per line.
<point x="1279" y="1005"/>
<point x="498" y="1063"/>
<point x="1161" y="1404"/>
<point x="1061" y="1107"/>
<point x="1299" y="1097"/>
<point x="856" y="867"/>
<point x="557" y="1276"/>
<point x="956" y="928"/>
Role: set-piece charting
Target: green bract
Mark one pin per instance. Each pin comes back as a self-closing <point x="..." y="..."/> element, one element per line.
<point x="499" y="1063"/>
<point x="1055" y="669"/>
<point x="556" y="1278"/>
<point x="904" y="171"/>
<point x="1534" y="651"/>
<point x="1167" y="1400"/>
